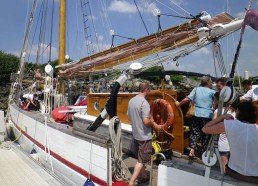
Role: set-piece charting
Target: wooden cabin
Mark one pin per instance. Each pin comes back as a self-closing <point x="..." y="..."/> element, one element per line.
<point x="178" y="136"/>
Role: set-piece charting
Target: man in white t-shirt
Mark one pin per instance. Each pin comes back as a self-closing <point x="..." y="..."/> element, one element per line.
<point x="250" y="95"/>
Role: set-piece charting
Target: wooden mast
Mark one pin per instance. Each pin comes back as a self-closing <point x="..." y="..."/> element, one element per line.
<point x="62" y="37"/>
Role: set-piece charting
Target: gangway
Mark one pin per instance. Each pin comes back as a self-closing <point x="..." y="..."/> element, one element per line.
<point x="18" y="168"/>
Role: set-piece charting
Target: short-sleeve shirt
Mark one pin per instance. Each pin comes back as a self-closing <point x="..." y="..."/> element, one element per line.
<point x="203" y="99"/>
<point x="252" y="95"/>
<point x="223" y="145"/>
<point x="243" y="142"/>
<point x="139" y="108"/>
<point x="28" y="96"/>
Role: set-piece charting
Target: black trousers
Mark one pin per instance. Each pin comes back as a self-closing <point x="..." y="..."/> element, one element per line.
<point x="196" y="134"/>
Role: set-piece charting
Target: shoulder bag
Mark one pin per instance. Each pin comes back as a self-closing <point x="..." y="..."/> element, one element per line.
<point x="191" y="110"/>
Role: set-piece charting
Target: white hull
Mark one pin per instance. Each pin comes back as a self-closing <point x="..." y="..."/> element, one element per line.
<point x="185" y="174"/>
<point x="82" y="121"/>
<point x="73" y="158"/>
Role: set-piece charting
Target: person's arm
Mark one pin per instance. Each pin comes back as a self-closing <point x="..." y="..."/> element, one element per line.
<point x="147" y="122"/>
<point x="184" y="101"/>
<point x="189" y="98"/>
<point x="32" y="102"/>
<point x="216" y="126"/>
<point x="215" y="114"/>
<point x="27" y="105"/>
<point x="247" y="96"/>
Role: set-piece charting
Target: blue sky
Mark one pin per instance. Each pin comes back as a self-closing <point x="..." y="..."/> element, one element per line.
<point x="122" y="17"/>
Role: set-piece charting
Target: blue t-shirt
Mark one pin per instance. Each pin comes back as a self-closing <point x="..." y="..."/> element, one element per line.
<point x="203" y="100"/>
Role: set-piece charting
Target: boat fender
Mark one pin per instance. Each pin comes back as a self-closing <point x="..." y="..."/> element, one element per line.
<point x="88" y="182"/>
<point x="155" y="108"/>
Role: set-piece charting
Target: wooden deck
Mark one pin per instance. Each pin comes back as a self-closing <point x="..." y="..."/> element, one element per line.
<point x="130" y="163"/>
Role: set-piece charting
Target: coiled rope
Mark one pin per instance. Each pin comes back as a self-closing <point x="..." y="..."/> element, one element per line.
<point x="119" y="169"/>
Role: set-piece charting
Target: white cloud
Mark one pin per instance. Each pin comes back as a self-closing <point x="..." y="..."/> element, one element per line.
<point x="202" y="51"/>
<point x="123" y="6"/>
<point x="100" y="46"/>
<point x="92" y="17"/>
<point x="44" y="48"/>
<point x="100" y="37"/>
<point x="148" y="7"/>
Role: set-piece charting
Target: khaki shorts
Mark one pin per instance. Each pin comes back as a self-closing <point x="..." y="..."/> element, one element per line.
<point x="143" y="151"/>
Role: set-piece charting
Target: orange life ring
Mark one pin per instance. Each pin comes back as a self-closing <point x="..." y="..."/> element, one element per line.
<point x="155" y="109"/>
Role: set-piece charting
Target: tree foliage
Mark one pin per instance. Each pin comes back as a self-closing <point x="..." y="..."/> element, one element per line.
<point x="8" y="64"/>
<point x="155" y="79"/>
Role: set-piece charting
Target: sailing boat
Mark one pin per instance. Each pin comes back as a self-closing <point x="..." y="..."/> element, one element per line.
<point x="83" y="152"/>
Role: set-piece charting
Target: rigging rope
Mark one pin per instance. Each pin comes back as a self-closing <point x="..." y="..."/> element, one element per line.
<point x="179" y="7"/>
<point x="26" y="19"/>
<point x="42" y="32"/>
<point x="34" y="35"/>
<point x="104" y="24"/>
<point x="214" y="63"/>
<point x="169" y="7"/>
<point x="51" y="31"/>
<point x="86" y="27"/>
<point x="77" y="26"/>
<point x="141" y="18"/>
<point x="67" y="32"/>
<point x="95" y="31"/>
<point x="239" y="83"/>
<point x="218" y="57"/>
<point x="105" y="15"/>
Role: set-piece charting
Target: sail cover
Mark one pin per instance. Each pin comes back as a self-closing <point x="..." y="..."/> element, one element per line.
<point x="166" y="40"/>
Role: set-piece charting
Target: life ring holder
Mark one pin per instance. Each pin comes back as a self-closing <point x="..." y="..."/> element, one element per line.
<point x="167" y="107"/>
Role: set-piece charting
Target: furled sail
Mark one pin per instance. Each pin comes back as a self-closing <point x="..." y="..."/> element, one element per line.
<point x="166" y="40"/>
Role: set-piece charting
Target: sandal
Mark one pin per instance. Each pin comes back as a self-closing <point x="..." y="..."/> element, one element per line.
<point x="191" y="154"/>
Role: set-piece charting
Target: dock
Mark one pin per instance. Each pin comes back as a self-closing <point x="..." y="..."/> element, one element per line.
<point x="18" y="168"/>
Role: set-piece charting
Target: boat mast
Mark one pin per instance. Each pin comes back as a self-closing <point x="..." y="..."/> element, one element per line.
<point x="62" y="38"/>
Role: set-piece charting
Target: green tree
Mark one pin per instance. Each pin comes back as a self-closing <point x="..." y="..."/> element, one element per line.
<point x="54" y="64"/>
<point x="155" y="79"/>
<point x="236" y="80"/>
<point x="8" y="64"/>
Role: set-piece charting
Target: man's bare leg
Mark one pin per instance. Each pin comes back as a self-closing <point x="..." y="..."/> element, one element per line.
<point x="139" y="168"/>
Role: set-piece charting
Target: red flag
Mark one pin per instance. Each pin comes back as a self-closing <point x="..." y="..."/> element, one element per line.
<point x="251" y="19"/>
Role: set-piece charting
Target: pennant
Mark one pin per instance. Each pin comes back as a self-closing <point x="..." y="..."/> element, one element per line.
<point x="251" y="19"/>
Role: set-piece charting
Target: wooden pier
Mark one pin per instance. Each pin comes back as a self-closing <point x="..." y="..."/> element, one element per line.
<point x="17" y="168"/>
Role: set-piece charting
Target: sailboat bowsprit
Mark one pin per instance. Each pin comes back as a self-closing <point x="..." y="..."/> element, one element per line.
<point x="77" y="154"/>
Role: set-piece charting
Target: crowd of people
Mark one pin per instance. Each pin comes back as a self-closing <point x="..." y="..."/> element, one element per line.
<point x="238" y="140"/>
